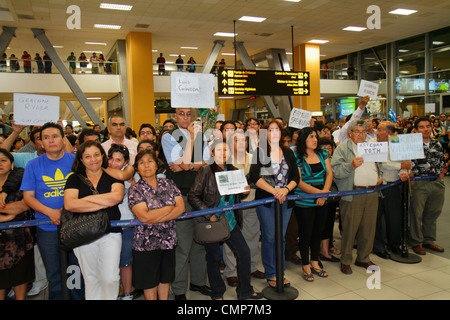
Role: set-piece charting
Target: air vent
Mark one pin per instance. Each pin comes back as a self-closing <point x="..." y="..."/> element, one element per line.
<point x="25" y="16"/>
<point x="264" y="34"/>
<point x="140" y="25"/>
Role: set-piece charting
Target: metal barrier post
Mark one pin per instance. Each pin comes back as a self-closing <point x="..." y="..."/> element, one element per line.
<point x="405" y="256"/>
<point x="63" y="264"/>
<point x="280" y="292"/>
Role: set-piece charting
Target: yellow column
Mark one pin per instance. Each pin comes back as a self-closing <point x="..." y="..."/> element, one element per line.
<point x="140" y="79"/>
<point x="307" y="58"/>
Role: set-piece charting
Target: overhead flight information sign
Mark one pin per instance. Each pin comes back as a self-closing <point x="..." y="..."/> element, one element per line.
<point x="263" y="83"/>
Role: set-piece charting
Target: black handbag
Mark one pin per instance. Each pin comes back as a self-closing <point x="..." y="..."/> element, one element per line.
<point x="77" y="229"/>
<point x="207" y="231"/>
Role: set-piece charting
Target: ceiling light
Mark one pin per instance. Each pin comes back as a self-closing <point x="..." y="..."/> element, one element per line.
<point x="289" y="53"/>
<point x="252" y="19"/>
<point x="107" y="26"/>
<point x="352" y="28"/>
<point x="95" y="98"/>
<point x="97" y="43"/>
<point x="224" y="34"/>
<point x="227" y="54"/>
<point x="154" y="50"/>
<point x="403" y="12"/>
<point x="114" y="6"/>
<point x="293" y="0"/>
<point x="318" y="41"/>
<point x="56" y="47"/>
<point x="403" y="50"/>
<point x="176" y="55"/>
<point x="438" y="43"/>
<point x="191" y="48"/>
<point x="92" y="51"/>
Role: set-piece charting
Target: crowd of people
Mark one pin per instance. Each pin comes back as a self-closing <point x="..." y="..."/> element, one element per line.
<point x="99" y="65"/>
<point x="158" y="174"/>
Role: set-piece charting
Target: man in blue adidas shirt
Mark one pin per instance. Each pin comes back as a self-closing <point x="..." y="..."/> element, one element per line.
<point x="43" y="190"/>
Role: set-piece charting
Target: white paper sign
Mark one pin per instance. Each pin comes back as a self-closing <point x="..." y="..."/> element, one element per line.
<point x="231" y="182"/>
<point x="373" y="151"/>
<point x="299" y="118"/>
<point x="192" y="90"/>
<point x="406" y="147"/>
<point x="430" y="107"/>
<point x="36" y="110"/>
<point x="368" y="88"/>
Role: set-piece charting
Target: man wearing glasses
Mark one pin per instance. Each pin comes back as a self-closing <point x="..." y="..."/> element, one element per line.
<point x="186" y="150"/>
<point x="358" y="212"/>
<point x="117" y="129"/>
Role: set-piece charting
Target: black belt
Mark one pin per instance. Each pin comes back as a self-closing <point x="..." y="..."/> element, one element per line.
<point x="360" y="188"/>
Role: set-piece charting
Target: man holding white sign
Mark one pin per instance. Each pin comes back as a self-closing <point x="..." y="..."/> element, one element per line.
<point x="390" y="204"/>
<point x="427" y="196"/>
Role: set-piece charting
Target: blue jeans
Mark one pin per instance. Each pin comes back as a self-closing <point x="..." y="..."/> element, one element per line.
<point x="237" y="244"/>
<point x="266" y="216"/>
<point x="48" y="244"/>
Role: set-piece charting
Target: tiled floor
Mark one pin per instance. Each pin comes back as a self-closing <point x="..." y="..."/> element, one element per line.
<point x="427" y="280"/>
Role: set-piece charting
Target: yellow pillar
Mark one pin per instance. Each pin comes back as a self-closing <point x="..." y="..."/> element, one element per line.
<point x="307" y="58"/>
<point x="140" y="79"/>
<point x="225" y="106"/>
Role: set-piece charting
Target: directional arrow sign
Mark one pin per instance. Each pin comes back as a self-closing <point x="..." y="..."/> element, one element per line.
<point x="263" y="82"/>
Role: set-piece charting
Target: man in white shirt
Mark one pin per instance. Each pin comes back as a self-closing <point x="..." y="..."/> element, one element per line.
<point x="117" y="129"/>
<point x="358" y="212"/>
<point x="390" y="204"/>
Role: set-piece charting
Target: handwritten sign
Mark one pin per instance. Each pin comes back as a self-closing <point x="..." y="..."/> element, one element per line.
<point x="36" y="110"/>
<point x="373" y="151"/>
<point x="231" y="182"/>
<point x="299" y="118"/>
<point x="368" y="88"/>
<point x="406" y="147"/>
<point x="192" y="90"/>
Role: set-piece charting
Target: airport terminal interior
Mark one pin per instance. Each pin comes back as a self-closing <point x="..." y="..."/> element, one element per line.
<point x="53" y="47"/>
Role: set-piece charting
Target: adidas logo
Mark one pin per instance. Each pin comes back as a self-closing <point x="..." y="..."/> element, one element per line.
<point x="57" y="183"/>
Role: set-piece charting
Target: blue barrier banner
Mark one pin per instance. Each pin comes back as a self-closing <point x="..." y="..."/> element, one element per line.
<point x="242" y="205"/>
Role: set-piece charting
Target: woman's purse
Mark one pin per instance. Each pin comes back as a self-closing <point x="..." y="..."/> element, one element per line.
<point x="207" y="231"/>
<point x="333" y="189"/>
<point x="77" y="229"/>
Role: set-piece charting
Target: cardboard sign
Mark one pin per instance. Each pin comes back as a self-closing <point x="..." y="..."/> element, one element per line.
<point x="299" y="118"/>
<point x="192" y="90"/>
<point x="406" y="147"/>
<point x="36" y="110"/>
<point x="373" y="151"/>
<point x="368" y="88"/>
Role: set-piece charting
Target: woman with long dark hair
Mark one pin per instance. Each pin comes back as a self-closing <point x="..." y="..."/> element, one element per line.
<point x="316" y="176"/>
<point x="274" y="172"/>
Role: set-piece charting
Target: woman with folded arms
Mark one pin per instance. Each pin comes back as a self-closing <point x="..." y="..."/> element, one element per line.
<point x="156" y="202"/>
<point x="99" y="260"/>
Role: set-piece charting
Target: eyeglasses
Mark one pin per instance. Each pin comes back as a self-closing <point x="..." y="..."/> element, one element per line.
<point x="146" y="132"/>
<point x="359" y="133"/>
<point x="252" y="124"/>
<point x="184" y="115"/>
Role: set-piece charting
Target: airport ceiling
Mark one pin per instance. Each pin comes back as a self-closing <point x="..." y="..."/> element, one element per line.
<point x="192" y="23"/>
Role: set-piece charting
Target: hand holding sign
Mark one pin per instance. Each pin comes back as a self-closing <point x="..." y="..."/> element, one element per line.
<point x="373" y="151"/>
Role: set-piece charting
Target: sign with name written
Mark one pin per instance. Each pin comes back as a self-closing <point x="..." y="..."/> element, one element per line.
<point x="231" y="182"/>
<point x="263" y="83"/>
<point x="192" y="90"/>
<point x="406" y="147"/>
<point x="368" y="88"/>
<point x="300" y="118"/>
<point x="373" y="151"/>
<point x="34" y="109"/>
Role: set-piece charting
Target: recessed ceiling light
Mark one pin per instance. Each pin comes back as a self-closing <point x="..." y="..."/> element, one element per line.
<point x="107" y="26"/>
<point x="403" y="12"/>
<point x="224" y="34"/>
<point x="57" y="47"/>
<point x="95" y="98"/>
<point x="438" y="43"/>
<point x="252" y="19"/>
<point x="92" y="51"/>
<point x="227" y="54"/>
<point x="114" y="6"/>
<point x="290" y="53"/>
<point x="97" y="43"/>
<point x="403" y="50"/>
<point x="154" y="50"/>
<point x="191" y="48"/>
<point x="352" y="28"/>
<point x="318" y="41"/>
<point x="293" y="0"/>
